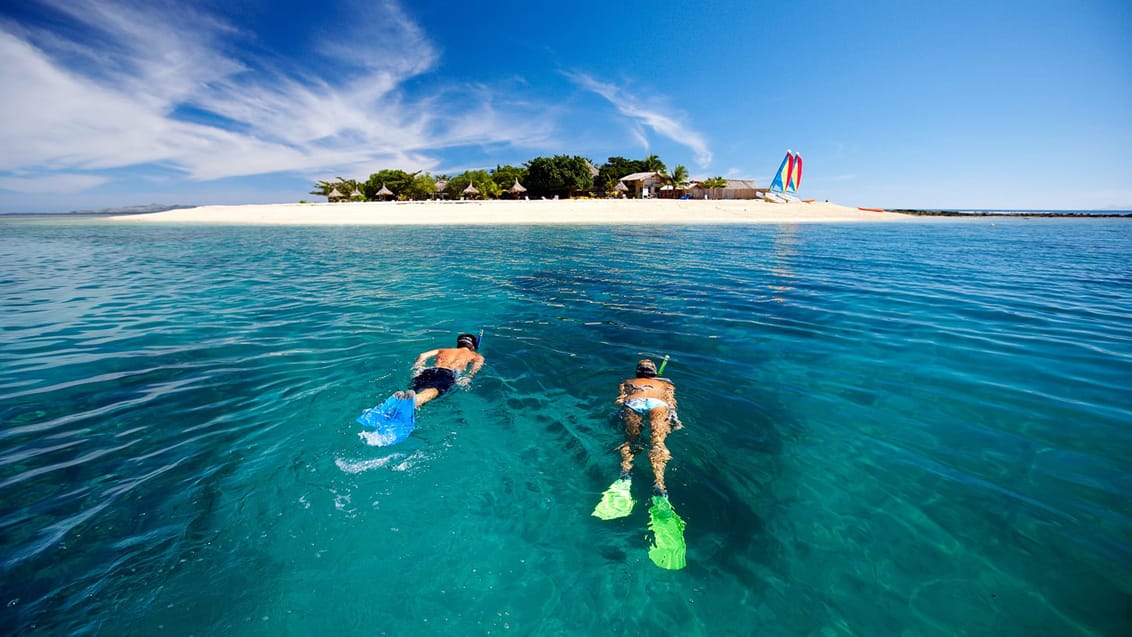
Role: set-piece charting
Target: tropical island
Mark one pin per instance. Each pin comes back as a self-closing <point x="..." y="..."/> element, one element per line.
<point x="559" y="176"/>
<point x="562" y="189"/>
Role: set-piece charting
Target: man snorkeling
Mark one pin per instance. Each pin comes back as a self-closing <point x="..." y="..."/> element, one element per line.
<point x="648" y="395"/>
<point x="434" y="381"/>
<point x="393" y="420"/>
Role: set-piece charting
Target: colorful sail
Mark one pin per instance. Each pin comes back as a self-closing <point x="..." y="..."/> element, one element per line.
<point x="783" y="174"/>
<point x="794" y="180"/>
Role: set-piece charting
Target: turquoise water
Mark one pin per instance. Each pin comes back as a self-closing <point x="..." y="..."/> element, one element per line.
<point x="906" y="429"/>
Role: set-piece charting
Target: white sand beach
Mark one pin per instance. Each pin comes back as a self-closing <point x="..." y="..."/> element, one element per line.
<point x="574" y="211"/>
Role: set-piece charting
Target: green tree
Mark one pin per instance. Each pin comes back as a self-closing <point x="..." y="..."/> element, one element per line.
<point x="678" y="178"/>
<point x="714" y="184"/>
<point x="345" y="187"/>
<point x="506" y="176"/>
<point x="653" y="164"/>
<point x="614" y="169"/>
<point x="610" y="188"/>
<point x="323" y="188"/>
<point x="422" y="186"/>
<point x="478" y="178"/>
<point x="558" y="176"/>
<point x="397" y="181"/>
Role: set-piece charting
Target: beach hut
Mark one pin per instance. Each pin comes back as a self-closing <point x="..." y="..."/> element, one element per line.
<point x="333" y="195"/>
<point x="441" y="188"/>
<point x="471" y="191"/>
<point x="595" y="189"/>
<point x="517" y="190"/>
<point x="738" y="189"/>
<point x="735" y="189"/>
<point x="384" y="192"/>
<point x="641" y="184"/>
<point x="357" y="195"/>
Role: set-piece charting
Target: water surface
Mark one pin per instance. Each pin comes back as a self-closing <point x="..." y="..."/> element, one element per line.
<point x="896" y="429"/>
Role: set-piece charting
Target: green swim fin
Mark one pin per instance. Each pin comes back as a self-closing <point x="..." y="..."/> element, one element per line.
<point x="616" y="502"/>
<point x="667" y="548"/>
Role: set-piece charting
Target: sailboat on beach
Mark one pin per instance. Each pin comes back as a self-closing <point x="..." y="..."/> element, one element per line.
<point x="784" y="187"/>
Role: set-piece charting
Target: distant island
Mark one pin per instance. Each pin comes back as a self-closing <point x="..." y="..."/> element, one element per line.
<point x="120" y="210"/>
<point x="131" y="210"/>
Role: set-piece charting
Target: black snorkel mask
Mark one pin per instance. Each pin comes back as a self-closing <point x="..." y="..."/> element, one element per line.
<point x="646" y="369"/>
<point x="468" y="340"/>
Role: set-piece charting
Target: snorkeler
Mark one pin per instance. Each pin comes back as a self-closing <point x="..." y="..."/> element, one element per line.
<point x="648" y="395"/>
<point x="655" y="397"/>
<point x="393" y="420"/>
<point x="433" y="381"/>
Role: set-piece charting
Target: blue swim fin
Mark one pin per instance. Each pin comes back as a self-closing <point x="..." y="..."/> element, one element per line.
<point x="392" y="420"/>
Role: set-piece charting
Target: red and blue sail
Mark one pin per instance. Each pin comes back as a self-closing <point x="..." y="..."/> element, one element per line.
<point x="789" y="175"/>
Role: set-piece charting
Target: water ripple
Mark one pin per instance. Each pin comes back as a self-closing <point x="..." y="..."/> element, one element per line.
<point x="879" y="422"/>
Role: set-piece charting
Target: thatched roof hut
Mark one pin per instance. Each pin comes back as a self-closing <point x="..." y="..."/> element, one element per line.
<point x="517" y="189"/>
<point x="333" y="195"/>
<point x="471" y="190"/>
<point x="735" y="189"/>
<point x="384" y="192"/>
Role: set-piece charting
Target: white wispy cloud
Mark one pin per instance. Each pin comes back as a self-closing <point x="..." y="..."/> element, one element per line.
<point x="166" y="84"/>
<point x="649" y="115"/>
<point x="57" y="182"/>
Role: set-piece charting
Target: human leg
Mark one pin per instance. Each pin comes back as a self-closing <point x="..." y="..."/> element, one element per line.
<point x="630" y="447"/>
<point x="424" y="395"/>
<point x="659" y="428"/>
<point x="617" y="501"/>
<point x="430" y="383"/>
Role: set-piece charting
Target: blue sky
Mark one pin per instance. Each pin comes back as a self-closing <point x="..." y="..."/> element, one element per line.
<point x="891" y="104"/>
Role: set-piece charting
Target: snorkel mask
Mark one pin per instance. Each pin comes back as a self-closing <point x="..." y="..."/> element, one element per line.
<point x="467" y="340"/>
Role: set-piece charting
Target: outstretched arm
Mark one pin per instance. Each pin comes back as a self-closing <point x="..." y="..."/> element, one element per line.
<point x="424" y="357"/>
<point x="624" y="389"/>
<point x="477" y="363"/>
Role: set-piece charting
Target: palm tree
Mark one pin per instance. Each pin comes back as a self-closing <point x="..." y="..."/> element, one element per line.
<point x="345" y="187"/>
<point x="653" y="163"/>
<point x="678" y="178"/>
<point x="715" y="183"/>
<point x="614" y="188"/>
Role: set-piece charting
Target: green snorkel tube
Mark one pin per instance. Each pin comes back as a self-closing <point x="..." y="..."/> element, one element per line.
<point x="663" y="363"/>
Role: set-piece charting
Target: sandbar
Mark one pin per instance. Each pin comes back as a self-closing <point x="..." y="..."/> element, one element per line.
<point x="540" y="211"/>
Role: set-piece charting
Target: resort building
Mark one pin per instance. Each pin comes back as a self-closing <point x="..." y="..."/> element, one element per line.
<point x="642" y="185"/>
<point x="735" y="189"/>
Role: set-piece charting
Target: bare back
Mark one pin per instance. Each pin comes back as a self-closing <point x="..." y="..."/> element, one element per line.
<point x="455" y="358"/>
<point x="647" y="388"/>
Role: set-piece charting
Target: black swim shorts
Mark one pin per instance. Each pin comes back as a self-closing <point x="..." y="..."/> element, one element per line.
<point x="437" y="378"/>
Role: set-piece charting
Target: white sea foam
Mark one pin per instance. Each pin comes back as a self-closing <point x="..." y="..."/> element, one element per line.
<point x="358" y="466"/>
<point x="377" y="439"/>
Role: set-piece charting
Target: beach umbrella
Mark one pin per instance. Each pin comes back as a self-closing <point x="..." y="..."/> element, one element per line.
<point x="517" y="188"/>
<point x="471" y="190"/>
<point x="357" y="194"/>
<point x="334" y="194"/>
<point x="384" y="192"/>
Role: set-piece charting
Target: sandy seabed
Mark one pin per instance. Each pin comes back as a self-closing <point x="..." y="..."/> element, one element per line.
<point x="567" y="211"/>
